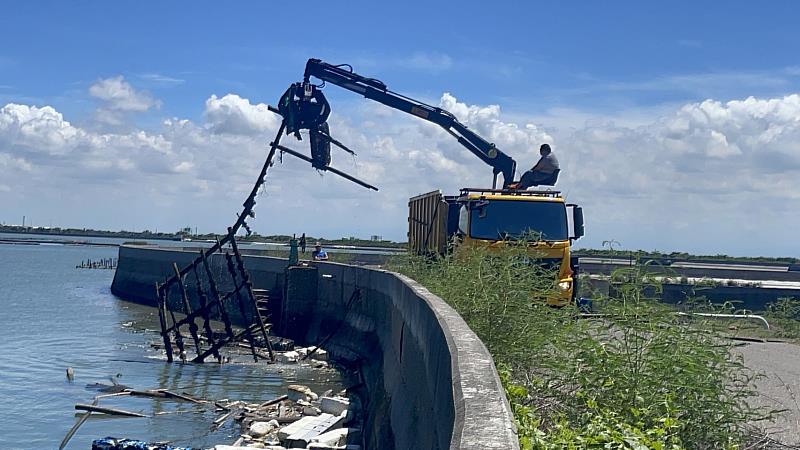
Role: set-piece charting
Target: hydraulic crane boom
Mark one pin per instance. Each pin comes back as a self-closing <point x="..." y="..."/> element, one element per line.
<point x="376" y="90"/>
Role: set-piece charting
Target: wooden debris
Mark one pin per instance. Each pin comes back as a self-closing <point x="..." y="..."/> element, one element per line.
<point x="111" y="411"/>
<point x="274" y="401"/>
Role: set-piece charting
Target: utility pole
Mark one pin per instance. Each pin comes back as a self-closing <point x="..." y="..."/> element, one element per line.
<point x="23" y="221"/>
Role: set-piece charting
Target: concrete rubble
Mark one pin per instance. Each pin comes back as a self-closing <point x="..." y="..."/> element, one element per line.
<point x="299" y="419"/>
<point x="318" y="355"/>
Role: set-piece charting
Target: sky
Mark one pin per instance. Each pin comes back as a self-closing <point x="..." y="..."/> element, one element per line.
<point x="677" y="124"/>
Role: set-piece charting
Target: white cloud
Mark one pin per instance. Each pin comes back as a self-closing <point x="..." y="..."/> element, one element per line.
<point x="521" y="140"/>
<point x="119" y="95"/>
<point x="236" y="115"/>
<point x="37" y="129"/>
<point x="162" y="79"/>
<point x="708" y="176"/>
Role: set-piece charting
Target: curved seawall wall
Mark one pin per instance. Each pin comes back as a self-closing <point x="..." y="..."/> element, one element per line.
<point x="430" y="382"/>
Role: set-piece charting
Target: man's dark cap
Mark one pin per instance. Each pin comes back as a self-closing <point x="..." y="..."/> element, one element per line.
<point x="545" y="147"/>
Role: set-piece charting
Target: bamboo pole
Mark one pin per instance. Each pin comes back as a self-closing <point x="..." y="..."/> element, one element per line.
<point x="175" y="328"/>
<point x="187" y="308"/>
<point x="201" y="295"/>
<point x="163" y="320"/>
<point x="242" y="309"/>
<point x="249" y="285"/>
<point x="104" y="410"/>
<point x="217" y="298"/>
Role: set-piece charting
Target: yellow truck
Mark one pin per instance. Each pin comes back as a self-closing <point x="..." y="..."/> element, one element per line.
<point x="490" y="216"/>
<point x="475" y="216"/>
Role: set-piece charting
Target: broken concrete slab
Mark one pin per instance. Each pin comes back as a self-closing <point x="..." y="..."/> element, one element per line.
<point x="335" y="438"/>
<point x="231" y="447"/>
<point x="307" y="428"/>
<point x="287" y="357"/>
<point x="329" y="447"/>
<point x="334" y="405"/>
<point x="298" y="392"/>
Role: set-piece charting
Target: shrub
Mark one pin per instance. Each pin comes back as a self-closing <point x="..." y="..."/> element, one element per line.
<point x="636" y="378"/>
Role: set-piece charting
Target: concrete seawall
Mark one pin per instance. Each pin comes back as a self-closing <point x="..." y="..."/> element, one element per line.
<point x="430" y="382"/>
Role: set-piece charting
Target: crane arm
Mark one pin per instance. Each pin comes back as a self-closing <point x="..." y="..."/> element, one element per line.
<point x="376" y="90"/>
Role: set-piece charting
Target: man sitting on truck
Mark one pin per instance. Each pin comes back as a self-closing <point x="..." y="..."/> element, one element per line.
<point x="544" y="172"/>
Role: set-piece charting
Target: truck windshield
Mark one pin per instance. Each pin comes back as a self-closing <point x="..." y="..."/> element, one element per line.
<point x="501" y="219"/>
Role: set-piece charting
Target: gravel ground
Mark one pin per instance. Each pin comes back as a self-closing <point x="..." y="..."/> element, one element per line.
<point x="780" y="386"/>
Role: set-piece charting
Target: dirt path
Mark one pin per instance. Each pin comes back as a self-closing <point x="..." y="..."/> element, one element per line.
<point x="780" y="387"/>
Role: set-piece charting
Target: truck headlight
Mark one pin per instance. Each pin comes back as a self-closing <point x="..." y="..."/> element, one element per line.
<point x="564" y="285"/>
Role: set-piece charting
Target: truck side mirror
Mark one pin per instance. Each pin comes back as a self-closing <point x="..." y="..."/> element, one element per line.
<point x="463" y="220"/>
<point x="578" y="229"/>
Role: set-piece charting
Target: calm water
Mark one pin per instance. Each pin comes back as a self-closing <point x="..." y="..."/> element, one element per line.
<point x="54" y="316"/>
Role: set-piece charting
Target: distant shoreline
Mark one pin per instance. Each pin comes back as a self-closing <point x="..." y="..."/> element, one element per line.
<point x="75" y="236"/>
<point x="90" y="233"/>
<point x="145" y="235"/>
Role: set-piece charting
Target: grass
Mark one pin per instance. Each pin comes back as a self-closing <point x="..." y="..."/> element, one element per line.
<point x="640" y="377"/>
<point x="784" y="316"/>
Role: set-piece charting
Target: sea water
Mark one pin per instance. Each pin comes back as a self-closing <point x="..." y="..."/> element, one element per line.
<point x="54" y="316"/>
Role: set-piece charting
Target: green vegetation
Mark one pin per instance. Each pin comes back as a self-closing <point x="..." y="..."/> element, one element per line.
<point x="147" y="234"/>
<point x="87" y="232"/>
<point x="639" y="377"/>
<point x="784" y="317"/>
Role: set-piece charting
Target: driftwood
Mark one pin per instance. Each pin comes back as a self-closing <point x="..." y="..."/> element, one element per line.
<point x="222" y="407"/>
<point x="136" y="393"/>
<point x="219" y="421"/>
<point x="163" y="393"/>
<point x="111" y="411"/>
<point x="183" y="397"/>
<point x="83" y="418"/>
<point x="273" y="401"/>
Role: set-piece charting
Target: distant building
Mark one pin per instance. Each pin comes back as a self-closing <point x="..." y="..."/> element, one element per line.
<point x="375" y="237"/>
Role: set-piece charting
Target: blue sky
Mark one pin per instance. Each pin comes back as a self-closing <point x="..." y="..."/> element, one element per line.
<point x="583" y="74"/>
<point x="532" y="55"/>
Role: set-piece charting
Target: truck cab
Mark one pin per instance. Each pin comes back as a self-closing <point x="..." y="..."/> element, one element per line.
<point x="490" y="217"/>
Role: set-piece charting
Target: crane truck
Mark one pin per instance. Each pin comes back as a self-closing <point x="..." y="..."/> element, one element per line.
<point x="473" y="217"/>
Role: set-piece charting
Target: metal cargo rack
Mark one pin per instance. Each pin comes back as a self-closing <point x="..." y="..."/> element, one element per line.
<point x="519" y="192"/>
